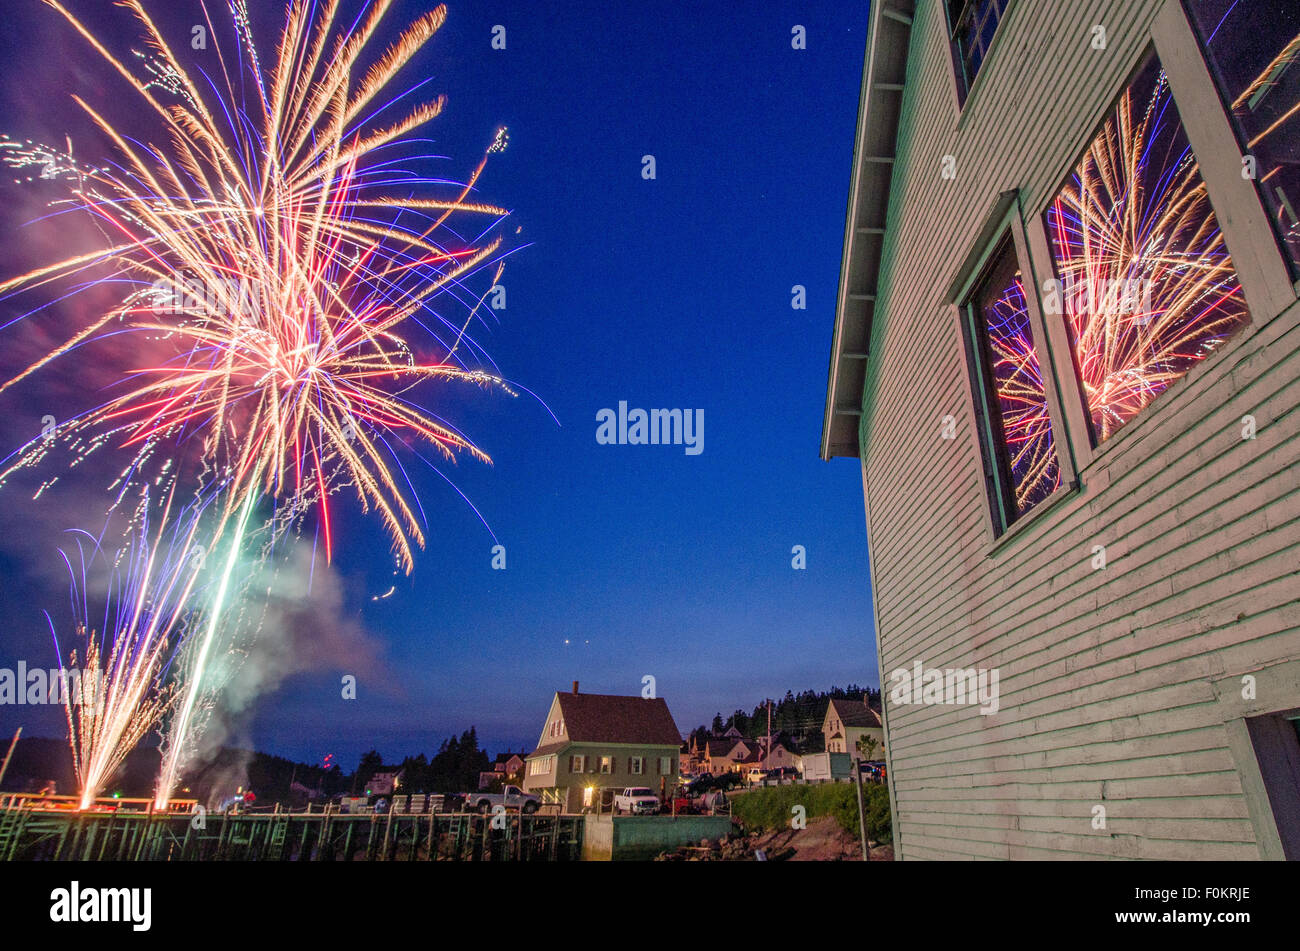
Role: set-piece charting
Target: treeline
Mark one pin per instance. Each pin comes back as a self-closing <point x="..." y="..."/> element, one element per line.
<point x="454" y="768"/>
<point x="796" y="717"/>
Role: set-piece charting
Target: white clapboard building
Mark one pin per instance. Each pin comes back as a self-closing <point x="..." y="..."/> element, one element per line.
<point x="1067" y="355"/>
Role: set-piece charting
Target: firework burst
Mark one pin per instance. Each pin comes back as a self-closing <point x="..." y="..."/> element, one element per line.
<point x="275" y="259"/>
<point x="287" y="267"/>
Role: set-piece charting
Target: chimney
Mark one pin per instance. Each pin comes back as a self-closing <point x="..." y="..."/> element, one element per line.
<point x="575" y="686"/>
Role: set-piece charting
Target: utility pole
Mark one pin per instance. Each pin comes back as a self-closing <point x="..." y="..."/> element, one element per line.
<point x="862" y="812"/>
<point x="769" y="732"/>
<point x="5" y="767"/>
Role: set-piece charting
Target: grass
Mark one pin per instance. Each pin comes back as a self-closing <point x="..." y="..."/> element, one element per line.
<point x="772" y="807"/>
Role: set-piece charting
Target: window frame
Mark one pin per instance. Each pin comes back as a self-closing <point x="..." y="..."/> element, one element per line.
<point x="1248" y="235"/>
<point x="1005" y="224"/>
<point x="963" y="86"/>
<point x="1177" y="30"/>
<point x="1090" y="443"/>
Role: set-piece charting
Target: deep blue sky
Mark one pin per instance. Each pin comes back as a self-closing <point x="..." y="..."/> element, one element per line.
<point x="667" y="293"/>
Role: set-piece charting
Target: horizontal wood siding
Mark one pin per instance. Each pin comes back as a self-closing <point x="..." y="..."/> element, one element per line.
<point x="1107" y="676"/>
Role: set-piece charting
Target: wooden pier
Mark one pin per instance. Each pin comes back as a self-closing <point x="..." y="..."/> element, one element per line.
<point x="37" y="830"/>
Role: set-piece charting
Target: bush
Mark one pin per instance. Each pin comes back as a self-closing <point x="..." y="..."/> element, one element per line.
<point x="769" y="807"/>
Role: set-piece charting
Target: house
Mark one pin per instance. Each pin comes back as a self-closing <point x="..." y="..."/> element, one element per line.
<point x="1064" y="360"/>
<point x="780" y="757"/>
<point x="593" y="742"/>
<point x="385" y="780"/>
<point x="731" y="752"/>
<point x="848" y="721"/>
<point x="724" y="755"/>
<point x="508" y="765"/>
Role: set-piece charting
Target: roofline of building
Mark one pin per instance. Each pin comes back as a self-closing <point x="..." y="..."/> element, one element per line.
<point x="862" y="204"/>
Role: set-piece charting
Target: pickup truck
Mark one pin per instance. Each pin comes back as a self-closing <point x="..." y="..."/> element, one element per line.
<point x="637" y="800"/>
<point x="512" y="797"/>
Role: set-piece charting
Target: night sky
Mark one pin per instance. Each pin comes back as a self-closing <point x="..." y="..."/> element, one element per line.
<point x="623" y="561"/>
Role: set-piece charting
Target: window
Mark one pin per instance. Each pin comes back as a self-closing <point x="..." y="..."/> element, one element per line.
<point x="1147" y="287"/>
<point x="1253" y="51"/>
<point x="540" y="766"/>
<point x="971" y="25"/>
<point x="665" y="765"/>
<point x="576" y="764"/>
<point x="607" y="764"/>
<point x="1276" y="741"/>
<point x="1021" y="466"/>
<point x="635" y="765"/>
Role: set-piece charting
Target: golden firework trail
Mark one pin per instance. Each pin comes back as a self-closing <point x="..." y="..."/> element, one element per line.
<point x="114" y="696"/>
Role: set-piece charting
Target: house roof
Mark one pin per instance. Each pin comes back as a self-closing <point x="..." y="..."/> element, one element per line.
<point x="879" y="108"/>
<point x="854" y="713"/>
<point x="609" y="718"/>
<point x="548" y="748"/>
<point x="721" y="746"/>
<point x="507" y="757"/>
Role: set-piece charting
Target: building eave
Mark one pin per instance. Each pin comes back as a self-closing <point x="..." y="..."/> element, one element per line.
<point x="884" y="73"/>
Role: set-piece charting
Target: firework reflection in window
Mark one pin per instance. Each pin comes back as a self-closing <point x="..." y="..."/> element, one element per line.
<point x="1253" y="49"/>
<point x="1148" y="287"/>
<point x="1016" y="426"/>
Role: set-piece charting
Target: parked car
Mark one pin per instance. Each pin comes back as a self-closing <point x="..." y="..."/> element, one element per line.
<point x="638" y="800"/>
<point x="782" y="773"/>
<point x="512" y="797"/>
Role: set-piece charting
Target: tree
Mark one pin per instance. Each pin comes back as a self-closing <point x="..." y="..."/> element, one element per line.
<point x="416" y="778"/>
<point x="369" y="765"/>
<point x="718" y="726"/>
<point x="867" y="745"/>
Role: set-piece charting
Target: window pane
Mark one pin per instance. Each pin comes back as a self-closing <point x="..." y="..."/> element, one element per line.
<point x="1148" y="289"/>
<point x="1253" y="49"/>
<point x="972" y="24"/>
<point x="1021" y="430"/>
